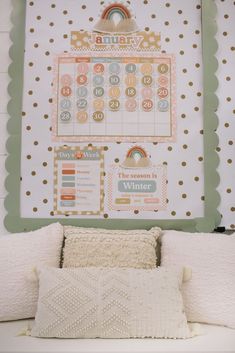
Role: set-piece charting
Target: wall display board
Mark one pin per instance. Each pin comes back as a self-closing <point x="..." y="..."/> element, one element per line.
<point x="115" y="123"/>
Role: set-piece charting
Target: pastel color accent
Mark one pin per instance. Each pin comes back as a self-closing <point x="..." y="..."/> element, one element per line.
<point x="112" y="9"/>
<point x="136" y="151"/>
<point x="68" y="165"/>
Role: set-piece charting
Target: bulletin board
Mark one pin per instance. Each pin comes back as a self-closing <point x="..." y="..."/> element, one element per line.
<point x="116" y="120"/>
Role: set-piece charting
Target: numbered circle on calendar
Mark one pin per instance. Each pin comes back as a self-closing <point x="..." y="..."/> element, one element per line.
<point x="163" y="105"/>
<point x="66" y="80"/>
<point x="146" y="69"/>
<point x="131" y="68"/>
<point x="82" y="79"/>
<point x="98" y="116"/>
<point x="65" y="116"/>
<point x="82" y="117"/>
<point x="147" y="92"/>
<point x="162" y="92"/>
<point x="147" y="105"/>
<point x="98" y="104"/>
<point x="98" y="68"/>
<point x="98" y="91"/>
<point x="65" y="104"/>
<point x="82" y="91"/>
<point x="81" y="104"/>
<point x="163" y="68"/>
<point x="83" y="68"/>
<point x="147" y="80"/>
<point x="114" y="68"/>
<point x="114" y="104"/>
<point x="66" y="91"/>
<point x="131" y="105"/>
<point x="163" y="80"/>
<point x="98" y="80"/>
<point x="114" y="80"/>
<point x="130" y="92"/>
<point x="114" y="92"/>
<point x="130" y="80"/>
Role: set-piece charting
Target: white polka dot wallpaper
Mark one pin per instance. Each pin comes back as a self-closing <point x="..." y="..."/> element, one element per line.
<point x="226" y="110"/>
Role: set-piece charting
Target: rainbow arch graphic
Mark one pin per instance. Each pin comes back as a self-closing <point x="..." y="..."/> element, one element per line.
<point x="136" y="151"/>
<point x="116" y="8"/>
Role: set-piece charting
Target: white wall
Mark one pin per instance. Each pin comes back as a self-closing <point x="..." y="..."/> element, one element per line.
<point x="5" y="25"/>
<point x="226" y="111"/>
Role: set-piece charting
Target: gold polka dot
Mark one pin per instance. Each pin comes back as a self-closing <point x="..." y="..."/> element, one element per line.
<point x="52" y="213"/>
<point x="39" y="18"/>
<point x="196" y="178"/>
<point x="183" y="116"/>
<point x="169" y="148"/>
<point x="35" y="209"/>
<point x="65" y="12"/>
<point x="44" y="164"/>
<point x="200" y="159"/>
<point x="188" y="214"/>
<point x="181" y="52"/>
<point x="45" y="201"/>
<point x="183" y="164"/>
<point x="35" y="143"/>
<point x="28" y="193"/>
<point x="229" y="161"/>
<point x="116" y="160"/>
<point x="173" y="213"/>
<point x="33" y="173"/>
<point x="28" y="127"/>
<point x="229" y="191"/>
<point x="91" y="19"/>
<point x="44" y="181"/>
<point x="106" y="215"/>
<point x="136" y="211"/>
<point x="29" y="156"/>
<point x="184" y="196"/>
<point x="153" y="15"/>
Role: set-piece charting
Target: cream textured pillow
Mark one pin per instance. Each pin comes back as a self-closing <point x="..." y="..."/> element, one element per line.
<point x="19" y="254"/>
<point x="86" y="247"/>
<point x="210" y="296"/>
<point x="110" y="303"/>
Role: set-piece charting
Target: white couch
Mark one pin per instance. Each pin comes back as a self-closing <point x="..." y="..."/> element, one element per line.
<point x="214" y="339"/>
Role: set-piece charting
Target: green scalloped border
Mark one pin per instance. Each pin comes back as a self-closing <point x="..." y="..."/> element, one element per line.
<point x="14" y="223"/>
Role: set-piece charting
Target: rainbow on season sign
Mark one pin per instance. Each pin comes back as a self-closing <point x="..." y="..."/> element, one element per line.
<point x="136" y="157"/>
<point x="116" y="18"/>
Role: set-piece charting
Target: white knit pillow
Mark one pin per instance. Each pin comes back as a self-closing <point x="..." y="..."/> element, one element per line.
<point x="19" y="254"/>
<point x="86" y="247"/>
<point x="210" y="296"/>
<point x="110" y="303"/>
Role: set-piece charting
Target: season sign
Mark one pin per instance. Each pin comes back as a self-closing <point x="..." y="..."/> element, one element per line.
<point x="137" y="184"/>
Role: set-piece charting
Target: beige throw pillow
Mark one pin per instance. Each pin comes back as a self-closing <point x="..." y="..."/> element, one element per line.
<point x="86" y="247"/>
<point x="110" y="303"/>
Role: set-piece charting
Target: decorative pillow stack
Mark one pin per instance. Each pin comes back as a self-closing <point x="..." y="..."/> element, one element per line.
<point x="110" y="303"/>
<point x="209" y="296"/>
<point x="19" y="254"/>
<point x="85" y="247"/>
